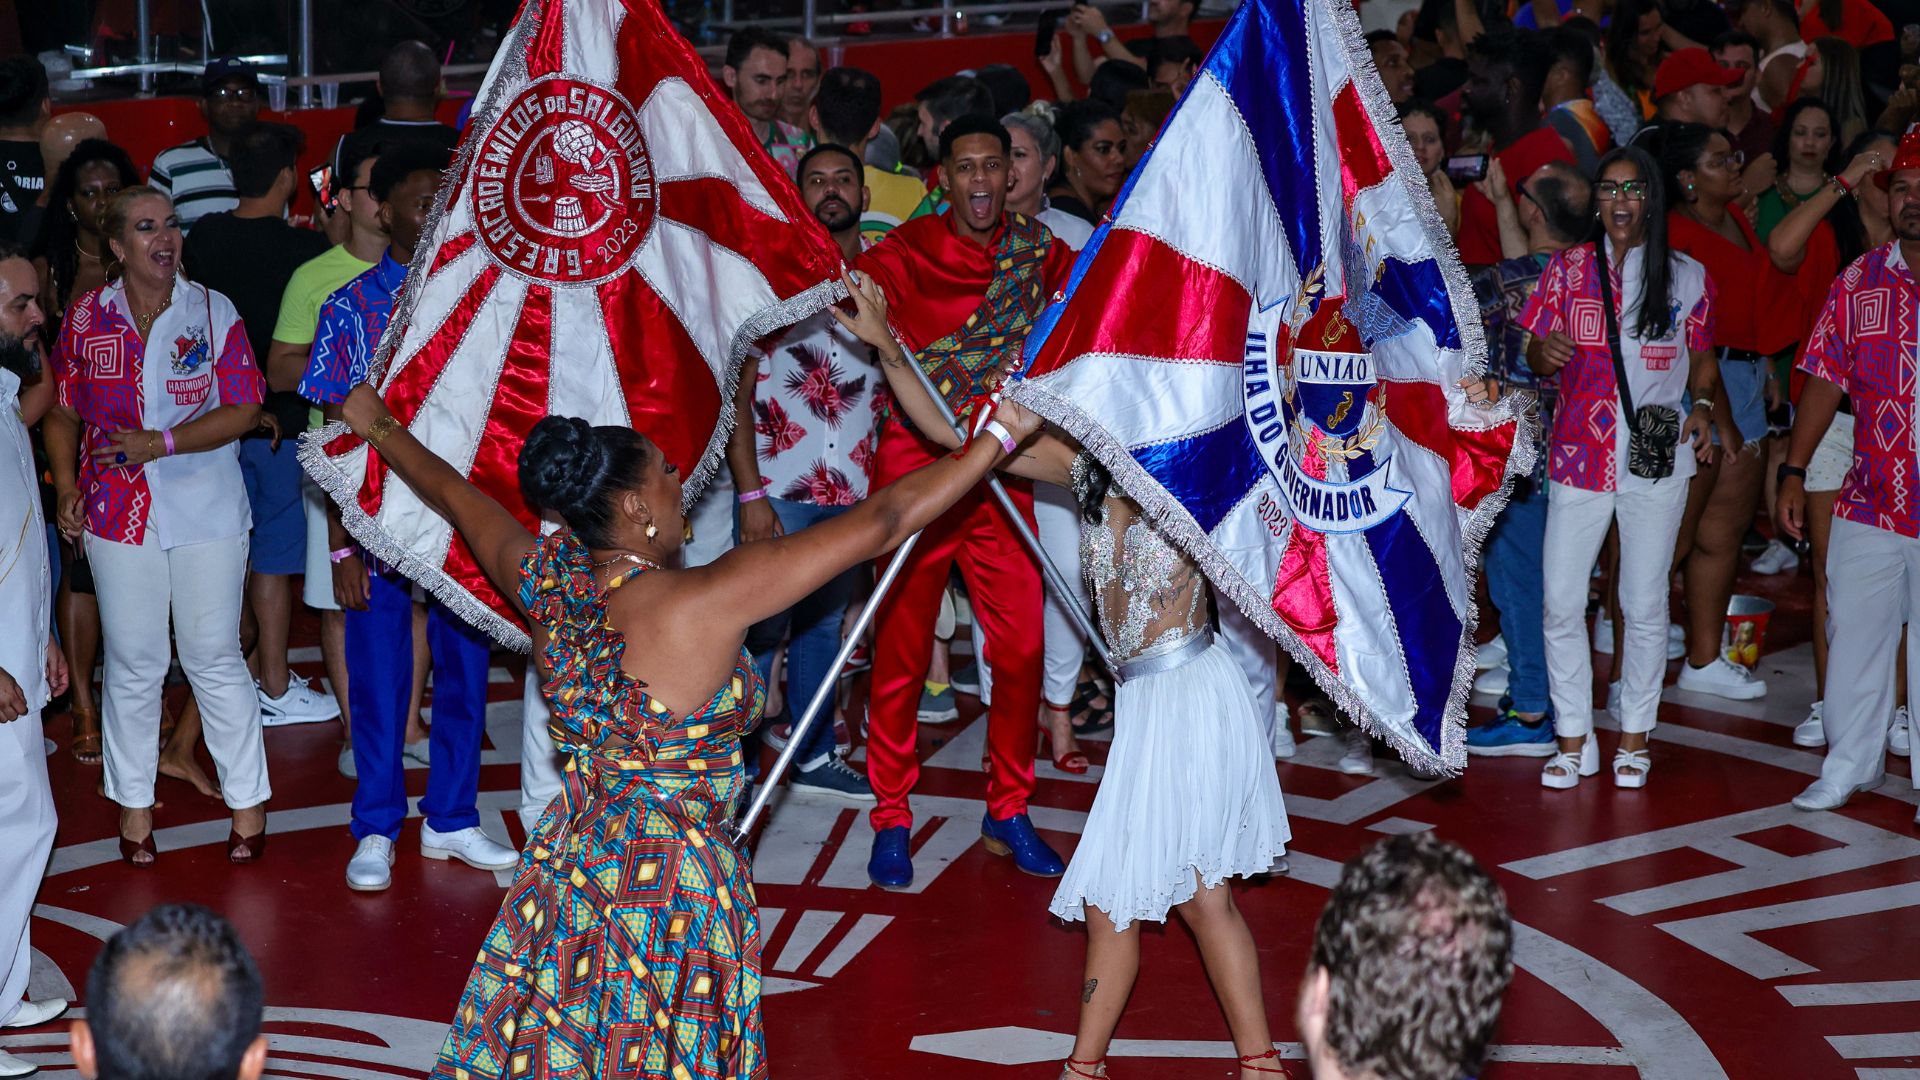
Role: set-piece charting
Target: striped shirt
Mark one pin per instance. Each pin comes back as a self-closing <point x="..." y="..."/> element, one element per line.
<point x="196" y="179"/>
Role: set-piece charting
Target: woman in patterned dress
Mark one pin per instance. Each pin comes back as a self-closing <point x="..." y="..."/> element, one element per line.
<point x="629" y="945"/>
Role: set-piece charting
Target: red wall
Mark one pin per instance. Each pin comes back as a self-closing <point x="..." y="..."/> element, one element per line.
<point x="146" y="127"/>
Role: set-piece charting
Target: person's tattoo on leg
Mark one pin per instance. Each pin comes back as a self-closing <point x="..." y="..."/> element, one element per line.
<point x="1086" y="992"/>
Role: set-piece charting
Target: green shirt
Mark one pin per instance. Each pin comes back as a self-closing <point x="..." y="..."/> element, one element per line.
<point x="311" y="284"/>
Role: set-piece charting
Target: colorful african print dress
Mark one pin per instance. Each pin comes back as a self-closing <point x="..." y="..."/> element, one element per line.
<point x="629" y="945"/>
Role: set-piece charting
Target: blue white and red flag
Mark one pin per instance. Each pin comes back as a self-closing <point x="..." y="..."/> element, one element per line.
<point x="1262" y="344"/>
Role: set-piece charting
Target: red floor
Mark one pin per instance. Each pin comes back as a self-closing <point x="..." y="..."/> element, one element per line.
<point x="1700" y="928"/>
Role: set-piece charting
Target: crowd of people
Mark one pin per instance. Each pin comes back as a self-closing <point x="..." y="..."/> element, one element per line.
<point x="1688" y="226"/>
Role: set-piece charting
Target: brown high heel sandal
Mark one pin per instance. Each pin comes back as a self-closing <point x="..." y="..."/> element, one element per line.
<point x="1247" y="1062"/>
<point x="87" y="748"/>
<point x="242" y="850"/>
<point x="1080" y="1068"/>
<point x="131" y="848"/>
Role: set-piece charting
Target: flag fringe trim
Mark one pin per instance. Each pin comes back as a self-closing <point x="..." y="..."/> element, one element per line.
<point x="343" y="490"/>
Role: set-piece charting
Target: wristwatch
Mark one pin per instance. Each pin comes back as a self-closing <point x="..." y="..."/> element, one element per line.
<point x="1787" y="470"/>
<point x="1103" y="36"/>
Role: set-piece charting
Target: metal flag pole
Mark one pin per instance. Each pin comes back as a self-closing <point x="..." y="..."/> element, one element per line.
<point x="822" y="693"/>
<point x="830" y="683"/>
<point x="1058" y="581"/>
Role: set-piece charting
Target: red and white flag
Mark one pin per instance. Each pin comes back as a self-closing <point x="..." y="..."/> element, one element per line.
<point x="609" y="243"/>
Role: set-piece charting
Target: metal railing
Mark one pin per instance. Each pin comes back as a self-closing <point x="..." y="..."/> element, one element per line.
<point x="309" y="89"/>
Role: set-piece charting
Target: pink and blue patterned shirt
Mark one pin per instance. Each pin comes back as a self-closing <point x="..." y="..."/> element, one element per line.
<point x="1864" y="342"/>
<point x="99" y="364"/>
<point x="1583" y="451"/>
<point x="351" y="322"/>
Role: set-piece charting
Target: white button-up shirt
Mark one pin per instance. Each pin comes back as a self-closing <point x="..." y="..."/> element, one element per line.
<point x="26" y="580"/>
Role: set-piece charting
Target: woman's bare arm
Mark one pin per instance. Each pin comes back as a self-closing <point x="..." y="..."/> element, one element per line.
<point x="499" y="542"/>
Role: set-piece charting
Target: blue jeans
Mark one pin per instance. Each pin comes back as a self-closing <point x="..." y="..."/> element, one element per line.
<point x="1516" y="582"/>
<point x="380" y="655"/>
<point x="815" y="624"/>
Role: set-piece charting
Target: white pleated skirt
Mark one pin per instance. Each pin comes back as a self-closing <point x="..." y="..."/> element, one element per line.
<point x="1189" y="796"/>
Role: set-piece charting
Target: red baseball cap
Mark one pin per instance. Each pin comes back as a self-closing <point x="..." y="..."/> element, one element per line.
<point x="1906" y="157"/>
<point x="1690" y="67"/>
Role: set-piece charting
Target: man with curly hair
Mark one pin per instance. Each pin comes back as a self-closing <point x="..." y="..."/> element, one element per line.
<point x="1411" y="957"/>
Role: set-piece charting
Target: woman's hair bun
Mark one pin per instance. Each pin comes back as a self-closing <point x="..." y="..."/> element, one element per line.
<point x="563" y="465"/>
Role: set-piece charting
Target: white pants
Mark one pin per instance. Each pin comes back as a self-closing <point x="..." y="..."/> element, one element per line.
<point x="200" y="587"/>
<point x="26" y="838"/>
<point x="1577" y="522"/>
<point x="1257" y="656"/>
<point x="712" y="518"/>
<point x="316" y="588"/>
<point x="1873" y="585"/>
<point x="1058" y="517"/>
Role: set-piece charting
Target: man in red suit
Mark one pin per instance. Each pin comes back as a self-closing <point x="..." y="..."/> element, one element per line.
<point x="963" y="287"/>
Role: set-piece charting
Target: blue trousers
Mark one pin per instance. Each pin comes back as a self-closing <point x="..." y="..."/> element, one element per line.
<point x="815" y="623"/>
<point x="380" y="656"/>
<point x="1516" y="582"/>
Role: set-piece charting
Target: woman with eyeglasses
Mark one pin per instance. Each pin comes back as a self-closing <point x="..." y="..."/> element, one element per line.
<point x="1624" y="306"/>
<point x="1759" y="315"/>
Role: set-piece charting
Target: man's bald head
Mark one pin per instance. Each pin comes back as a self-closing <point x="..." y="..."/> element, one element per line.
<point x="410" y="73"/>
<point x="174" y="996"/>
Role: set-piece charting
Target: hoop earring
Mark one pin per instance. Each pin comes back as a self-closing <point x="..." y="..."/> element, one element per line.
<point x="652" y="531"/>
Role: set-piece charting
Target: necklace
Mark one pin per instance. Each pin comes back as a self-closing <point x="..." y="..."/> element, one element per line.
<point x="145" y="322"/>
<point x="1791" y="197"/>
<point x="84" y="253"/>
<point x="629" y="557"/>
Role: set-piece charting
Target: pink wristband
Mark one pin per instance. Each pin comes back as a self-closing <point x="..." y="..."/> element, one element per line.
<point x="167" y="437"/>
<point x="340" y="555"/>
<point x="999" y="431"/>
<point x="746" y="497"/>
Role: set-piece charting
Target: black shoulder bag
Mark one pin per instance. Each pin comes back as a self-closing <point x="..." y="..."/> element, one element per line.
<point x="1654" y="430"/>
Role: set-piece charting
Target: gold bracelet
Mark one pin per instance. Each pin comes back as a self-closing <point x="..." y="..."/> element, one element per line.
<point x="378" y="431"/>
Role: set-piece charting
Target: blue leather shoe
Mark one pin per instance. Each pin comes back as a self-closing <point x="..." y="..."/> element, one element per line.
<point x="1015" y="836"/>
<point x="890" y="867"/>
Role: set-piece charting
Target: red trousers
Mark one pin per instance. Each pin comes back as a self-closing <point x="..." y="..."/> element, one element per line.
<point x="1003" y="583"/>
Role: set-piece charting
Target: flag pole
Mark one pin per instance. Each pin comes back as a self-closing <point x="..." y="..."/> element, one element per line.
<point x="822" y="693"/>
<point x="830" y="683"/>
<point x="1062" y="591"/>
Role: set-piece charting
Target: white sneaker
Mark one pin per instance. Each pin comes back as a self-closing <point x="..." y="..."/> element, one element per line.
<point x="1722" y="678"/>
<point x="1493" y="681"/>
<point x="11" y="1067"/>
<point x="301" y="704"/>
<point x="371" y="868"/>
<point x="1811" y="732"/>
<point x="35" y="1013"/>
<point x="470" y="846"/>
<point x="1358" y="760"/>
<point x="1283" y="744"/>
<point x="1493" y="654"/>
<point x="416" y="751"/>
<point x="345" y="764"/>
<point x="1900" y="735"/>
<point x="1777" y="559"/>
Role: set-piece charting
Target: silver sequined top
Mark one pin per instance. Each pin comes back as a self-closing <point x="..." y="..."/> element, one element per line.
<point x="1149" y="595"/>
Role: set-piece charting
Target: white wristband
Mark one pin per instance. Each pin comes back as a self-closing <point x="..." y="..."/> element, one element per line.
<point x="999" y="431"/>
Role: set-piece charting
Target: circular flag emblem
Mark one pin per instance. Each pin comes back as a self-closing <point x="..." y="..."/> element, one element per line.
<point x="563" y="188"/>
